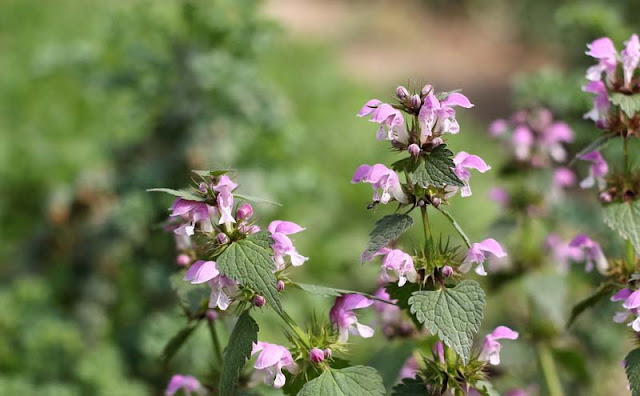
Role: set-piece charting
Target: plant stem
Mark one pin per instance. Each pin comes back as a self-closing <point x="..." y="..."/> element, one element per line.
<point x="625" y="146"/>
<point x="217" y="351"/>
<point x="549" y="371"/>
<point x="631" y="256"/>
<point x="427" y="229"/>
<point x="294" y="327"/>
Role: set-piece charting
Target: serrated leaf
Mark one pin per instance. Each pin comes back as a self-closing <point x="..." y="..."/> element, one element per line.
<point x="238" y="350"/>
<point x="410" y="387"/>
<point x="324" y="291"/>
<point x="630" y="104"/>
<point x="251" y="198"/>
<point x="625" y="219"/>
<point x="177" y="341"/>
<point x="454" y="314"/>
<point x="408" y="164"/>
<point x="295" y="382"/>
<point x="350" y="381"/>
<point x="632" y="368"/>
<point x="212" y="172"/>
<point x="250" y="262"/>
<point x="188" y="195"/>
<point x="436" y="169"/>
<point x="387" y="229"/>
<point x="603" y="291"/>
<point x="402" y="295"/>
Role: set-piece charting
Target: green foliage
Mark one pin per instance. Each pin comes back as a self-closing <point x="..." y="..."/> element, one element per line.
<point x="387" y="230"/>
<point x="410" y="387"/>
<point x="436" y="169"/>
<point x="188" y="195"/>
<point x="547" y="292"/>
<point x="632" y="368"/>
<point x="454" y="314"/>
<point x="625" y="219"/>
<point x="249" y="261"/>
<point x="603" y="291"/>
<point x="238" y="350"/>
<point x="177" y="341"/>
<point x="630" y="104"/>
<point x="350" y="381"/>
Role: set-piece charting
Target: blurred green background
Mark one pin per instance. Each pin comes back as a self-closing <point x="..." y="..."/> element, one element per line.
<point x="100" y="100"/>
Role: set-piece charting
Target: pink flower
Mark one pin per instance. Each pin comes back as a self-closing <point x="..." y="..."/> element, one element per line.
<point x="283" y="245"/>
<point x="221" y="287"/>
<point x="593" y="254"/>
<point x="402" y="265"/>
<point x="500" y="195"/>
<point x="381" y="178"/>
<point x="522" y="140"/>
<point x="225" y="199"/>
<point x="563" y="177"/>
<point x="478" y="254"/>
<point x="344" y="319"/>
<point x="387" y="313"/>
<point x="553" y="137"/>
<point x="437" y="118"/>
<point x="185" y="382"/>
<point x="562" y="252"/>
<point x="601" y="104"/>
<point x="498" y="127"/>
<point x="464" y="161"/>
<point x="598" y="169"/>
<point x="316" y="355"/>
<point x="195" y="213"/>
<point x="392" y="126"/>
<point x="438" y="350"/>
<point x="630" y="58"/>
<point x="631" y="303"/>
<point x="491" y="348"/>
<point x="603" y="50"/>
<point x="244" y="211"/>
<point x="270" y="362"/>
<point x="409" y="369"/>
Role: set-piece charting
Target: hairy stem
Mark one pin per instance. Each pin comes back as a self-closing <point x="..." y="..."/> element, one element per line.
<point x="427" y="229"/>
<point x="217" y="351"/>
<point x="549" y="370"/>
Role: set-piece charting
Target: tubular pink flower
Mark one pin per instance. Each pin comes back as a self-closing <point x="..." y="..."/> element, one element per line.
<point x="402" y="265"/>
<point x="491" y="348"/>
<point x="283" y="245"/>
<point x="522" y="140"/>
<point x="392" y="126"/>
<point x="438" y="350"/>
<point x="562" y="252"/>
<point x="498" y="127"/>
<point x="601" y="105"/>
<point x="500" y="195"/>
<point x="225" y="199"/>
<point x="201" y="271"/>
<point x="387" y="313"/>
<point x="563" y="177"/>
<point x="630" y="58"/>
<point x="221" y="287"/>
<point x="187" y="383"/>
<point x="369" y="107"/>
<point x="456" y="99"/>
<point x="381" y="178"/>
<point x="478" y="254"/>
<point x="464" y="161"/>
<point x="195" y="213"/>
<point x="593" y="254"/>
<point x="598" y="169"/>
<point x="409" y="369"/>
<point x="603" y="50"/>
<point x="345" y="320"/>
<point x="553" y="137"/>
<point x="271" y="360"/>
<point x="632" y="301"/>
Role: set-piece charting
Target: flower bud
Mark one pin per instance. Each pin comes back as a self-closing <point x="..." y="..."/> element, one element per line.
<point x="327" y="353"/>
<point x="414" y="149"/>
<point x="426" y="89"/>
<point x="244" y="212"/>
<point x="183" y="260"/>
<point x="259" y="301"/>
<point x="402" y="93"/>
<point x="203" y="187"/>
<point x="280" y="286"/>
<point x="435" y="201"/>
<point x="316" y="355"/>
<point x="222" y="238"/>
<point x="436" y="142"/>
<point x="605" y="197"/>
<point x="447" y="271"/>
<point x="211" y="315"/>
<point x="415" y="101"/>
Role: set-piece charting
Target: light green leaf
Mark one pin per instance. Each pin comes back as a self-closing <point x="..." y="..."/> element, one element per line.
<point x="410" y="387"/>
<point x="350" y="381"/>
<point x="603" y="291"/>
<point x="212" y="173"/>
<point x="238" y="350"/>
<point x="454" y="314"/>
<point x="177" y="341"/>
<point x="630" y="104"/>
<point x="595" y="145"/>
<point x="625" y="218"/>
<point x="251" y="198"/>
<point x="436" y="169"/>
<point x="324" y="291"/>
<point x="388" y="229"/>
<point x="250" y="262"/>
<point x="188" y="195"/>
<point x="632" y="367"/>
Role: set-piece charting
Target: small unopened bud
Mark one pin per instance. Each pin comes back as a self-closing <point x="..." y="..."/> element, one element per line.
<point x="402" y="93"/>
<point x="316" y="355"/>
<point x="280" y="286"/>
<point x="211" y="315"/>
<point x="183" y="260"/>
<point x="426" y="89"/>
<point x="605" y="197"/>
<point x="415" y="101"/>
<point x="447" y="271"/>
<point x="436" y="142"/>
<point x="259" y="301"/>
<point x="327" y="353"/>
<point x="244" y="212"/>
<point x="203" y="187"/>
<point x="435" y="201"/>
<point x="222" y="238"/>
<point x="414" y="149"/>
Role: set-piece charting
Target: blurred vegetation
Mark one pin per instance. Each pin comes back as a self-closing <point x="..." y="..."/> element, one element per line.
<point x="101" y="100"/>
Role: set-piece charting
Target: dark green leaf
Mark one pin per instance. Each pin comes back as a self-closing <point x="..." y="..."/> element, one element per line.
<point x="188" y="195"/>
<point x="625" y="218"/>
<point x="350" y="381"/>
<point x="387" y="230"/>
<point x="574" y="362"/>
<point x="405" y="165"/>
<point x="632" y="367"/>
<point x="454" y="314"/>
<point x="402" y="295"/>
<point x="436" y="169"/>
<point x="603" y="291"/>
<point x="324" y="291"/>
<point x="177" y="341"/>
<point x="250" y="262"/>
<point x="238" y="350"/>
<point x="630" y="104"/>
<point x="410" y="387"/>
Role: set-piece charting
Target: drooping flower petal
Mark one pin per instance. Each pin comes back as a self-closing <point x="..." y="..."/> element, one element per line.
<point x="478" y="254"/>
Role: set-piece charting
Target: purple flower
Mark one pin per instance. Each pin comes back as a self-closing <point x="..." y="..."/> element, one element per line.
<point x="593" y="254"/>
<point x="270" y="362"/>
<point x="601" y="104"/>
<point x="221" y="287"/>
<point x="464" y="161"/>
<point x="392" y="126"/>
<point x="630" y="58"/>
<point x="183" y="260"/>
<point x="387" y="313"/>
<point x="409" y="369"/>
<point x="603" y="50"/>
<point x="195" y="213"/>
<point x="283" y="245"/>
<point x="316" y="355"/>
<point x="598" y="169"/>
<point x="414" y="150"/>
<point x="381" y="178"/>
<point x="498" y="127"/>
<point x="185" y="382"/>
<point x="437" y="118"/>
<point x="522" y="140"/>
<point x="344" y="319"/>
<point x="491" y="348"/>
<point x="562" y="252"/>
<point x="553" y="137"/>
<point x="225" y="199"/>
<point x="402" y="265"/>
<point x="478" y="254"/>
<point x="244" y="211"/>
<point x="438" y="350"/>
<point x="500" y="195"/>
<point x="631" y="304"/>
<point x="563" y="177"/>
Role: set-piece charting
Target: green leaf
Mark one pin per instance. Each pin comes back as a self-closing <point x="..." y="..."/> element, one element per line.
<point x="190" y="296"/>
<point x="630" y="104"/>
<point x="387" y="229"/>
<point x="324" y="291"/>
<point x="410" y="387"/>
<point x="350" y="381"/>
<point x="177" y="341"/>
<point x="250" y="262"/>
<point x="238" y="350"/>
<point x="402" y="295"/>
<point x="408" y="164"/>
<point x="212" y="173"/>
<point x="455" y="225"/>
<point x="295" y="382"/>
<point x="454" y="314"/>
<point x="188" y="195"/>
<point x="632" y="367"/>
<point x="603" y="291"/>
<point x="436" y="169"/>
<point x="595" y="145"/>
<point x="625" y="218"/>
<point x="547" y="292"/>
<point x="251" y="198"/>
